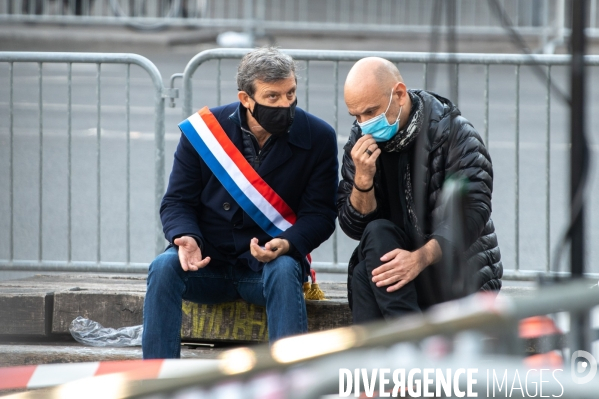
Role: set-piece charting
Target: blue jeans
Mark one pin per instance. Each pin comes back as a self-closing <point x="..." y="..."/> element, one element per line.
<point x="278" y="287"/>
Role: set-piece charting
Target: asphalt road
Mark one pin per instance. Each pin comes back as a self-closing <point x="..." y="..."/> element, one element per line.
<point x="320" y="99"/>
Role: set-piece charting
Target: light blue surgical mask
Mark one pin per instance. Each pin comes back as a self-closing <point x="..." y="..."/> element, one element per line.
<point x="379" y="127"/>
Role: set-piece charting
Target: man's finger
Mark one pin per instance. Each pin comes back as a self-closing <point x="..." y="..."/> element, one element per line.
<point x="375" y="155"/>
<point x="382" y="268"/>
<point x="273" y="245"/>
<point x="268" y="253"/>
<point x="254" y="247"/>
<point x="183" y="261"/>
<point x="385" y="275"/>
<point x="257" y="250"/>
<point x="388" y="281"/>
<point x="363" y="139"/>
<point x="361" y="150"/>
<point x="362" y="144"/>
<point x="397" y="286"/>
<point x="369" y="145"/>
<point x="390" y="255"/>
<point x="203" y="263"/>
<point x="261" y="254"/>
<point x="254" y="243"/>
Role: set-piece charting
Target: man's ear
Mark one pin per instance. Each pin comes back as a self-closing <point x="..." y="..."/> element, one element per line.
<point x="401" y="91"/>
<point x="244" y="98"/>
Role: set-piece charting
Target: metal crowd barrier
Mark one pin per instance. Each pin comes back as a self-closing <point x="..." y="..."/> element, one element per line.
<point x="313" y="60"/>
<point x="477" y="333"/>
<point x="426" y="61"/>
<point x="544" y="19"/>
<point x="96" y="60"/>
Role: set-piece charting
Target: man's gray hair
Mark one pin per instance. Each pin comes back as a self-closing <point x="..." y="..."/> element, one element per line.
<point x="266" y="64"/>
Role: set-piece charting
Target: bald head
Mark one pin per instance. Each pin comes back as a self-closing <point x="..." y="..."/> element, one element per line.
<point x="373" y="71"/>
<point x="369" y="83"/>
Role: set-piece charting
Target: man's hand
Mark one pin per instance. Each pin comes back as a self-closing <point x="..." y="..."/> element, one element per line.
<point x="190" y="255"/>
<point x="272" y="249"/>
<point x="401" y="266"/>
<point x="364" y="154"/>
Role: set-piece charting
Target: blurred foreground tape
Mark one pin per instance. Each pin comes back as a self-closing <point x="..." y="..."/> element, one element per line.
<point x="543" y="340"/>
<point x="46" y="375"/>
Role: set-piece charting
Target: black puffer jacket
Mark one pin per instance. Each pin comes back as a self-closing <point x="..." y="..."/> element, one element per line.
<point x="459" y="153"/>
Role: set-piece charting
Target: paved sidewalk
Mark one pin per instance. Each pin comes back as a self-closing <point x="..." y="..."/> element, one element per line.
<point x="26" y="353"/>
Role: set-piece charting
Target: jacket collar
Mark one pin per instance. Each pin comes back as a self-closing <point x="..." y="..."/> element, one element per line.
<point x="299" y="135"/>
<point x="438" y="112"/>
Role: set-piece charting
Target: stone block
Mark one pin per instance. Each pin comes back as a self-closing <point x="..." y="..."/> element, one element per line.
<point x="240" y="321"/>
<point x="25" y="312"/>
<point x="111" y="309"/>
<point x="231" y="321"/>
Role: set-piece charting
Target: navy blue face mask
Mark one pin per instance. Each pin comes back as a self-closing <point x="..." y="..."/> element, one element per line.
<point x="275" y="120"/>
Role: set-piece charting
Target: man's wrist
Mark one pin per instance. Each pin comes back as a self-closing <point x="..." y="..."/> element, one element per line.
<point x="286" y="246"/>
<point x="430" y="253"/>
<point x="363" y="182"/>
<point x="363" y="190"/>
<point x="361" y="198"/>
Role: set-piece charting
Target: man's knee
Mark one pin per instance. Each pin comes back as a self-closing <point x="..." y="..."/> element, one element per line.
<point x="165" y="267"/>
<point x="383" y="235"/>
<point x="359" y="277"/>
<point x="283" y="268"/>
<point x="377" y="226"/>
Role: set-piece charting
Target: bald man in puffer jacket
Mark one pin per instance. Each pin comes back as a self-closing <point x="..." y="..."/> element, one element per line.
<point x="399" y="136"/>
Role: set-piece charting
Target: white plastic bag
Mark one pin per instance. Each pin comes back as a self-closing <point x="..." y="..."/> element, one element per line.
<point x="92" y="333"/>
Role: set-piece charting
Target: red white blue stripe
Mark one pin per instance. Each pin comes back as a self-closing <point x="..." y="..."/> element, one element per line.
<point x="238" y="177"/>
<point x="47" y="375"/>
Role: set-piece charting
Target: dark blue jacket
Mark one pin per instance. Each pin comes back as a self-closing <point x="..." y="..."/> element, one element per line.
<point x="301" y="167"/>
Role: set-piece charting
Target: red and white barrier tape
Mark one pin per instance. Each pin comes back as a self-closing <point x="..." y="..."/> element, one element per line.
<point x="46" y="375"/>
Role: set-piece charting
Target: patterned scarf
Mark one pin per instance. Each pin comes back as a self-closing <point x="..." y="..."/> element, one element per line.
<point x="408" y="134"/>
<point x="400" y="142"/>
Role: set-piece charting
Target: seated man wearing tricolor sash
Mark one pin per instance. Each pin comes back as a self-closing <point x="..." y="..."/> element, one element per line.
<point x="251" y="194"/>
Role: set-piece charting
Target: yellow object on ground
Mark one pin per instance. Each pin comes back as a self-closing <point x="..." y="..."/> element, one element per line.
<point x="312" y="291"/>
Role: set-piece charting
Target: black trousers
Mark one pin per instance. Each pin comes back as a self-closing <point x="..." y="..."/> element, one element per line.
<point x="370" y="302"/>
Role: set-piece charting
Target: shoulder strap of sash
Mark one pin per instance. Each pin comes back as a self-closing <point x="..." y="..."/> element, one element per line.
<point x="235" y="173"/>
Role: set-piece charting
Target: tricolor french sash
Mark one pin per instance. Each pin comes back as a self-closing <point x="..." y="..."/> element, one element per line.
<point x="235" y="173"/>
